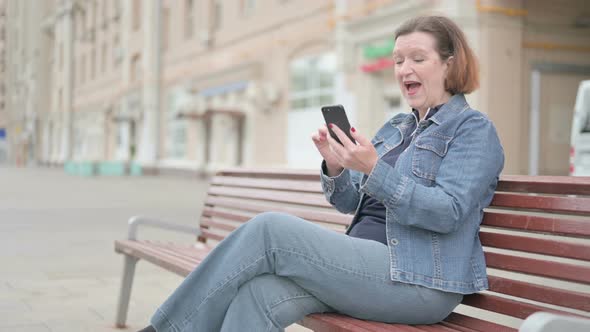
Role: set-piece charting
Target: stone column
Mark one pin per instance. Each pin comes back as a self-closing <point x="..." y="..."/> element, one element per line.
<point x="66" y="20"/>
<point x="151" y="55"/>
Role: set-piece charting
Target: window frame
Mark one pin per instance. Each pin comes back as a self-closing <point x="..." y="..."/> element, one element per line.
<point x="314" y="92"/>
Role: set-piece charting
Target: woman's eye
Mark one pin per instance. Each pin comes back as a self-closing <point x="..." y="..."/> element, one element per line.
<point x="398" y="61"/>
<point x="418" y="60"/>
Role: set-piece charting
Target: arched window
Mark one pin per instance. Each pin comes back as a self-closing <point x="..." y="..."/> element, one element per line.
<point x="312" y="81"/>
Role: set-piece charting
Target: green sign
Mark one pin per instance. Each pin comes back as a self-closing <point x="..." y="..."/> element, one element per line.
<point x="379" y="51"/>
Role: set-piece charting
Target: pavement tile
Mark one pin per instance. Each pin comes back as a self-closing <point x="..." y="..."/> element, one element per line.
<point x="25" y="328"/>
<point x="13" y="306"/>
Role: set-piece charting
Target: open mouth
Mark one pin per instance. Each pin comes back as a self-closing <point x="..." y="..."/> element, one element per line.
<point x="412" y="87"/>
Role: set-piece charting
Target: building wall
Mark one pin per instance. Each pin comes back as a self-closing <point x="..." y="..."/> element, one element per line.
<point x="106" y="93"/>
<point x="2" y="64"/>
<point x="25" y="77"/>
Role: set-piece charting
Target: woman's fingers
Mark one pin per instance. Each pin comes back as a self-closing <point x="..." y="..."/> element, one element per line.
<point x="346" y="142"/>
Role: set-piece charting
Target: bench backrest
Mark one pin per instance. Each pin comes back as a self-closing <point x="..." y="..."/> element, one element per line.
<point x="536" y="233"/>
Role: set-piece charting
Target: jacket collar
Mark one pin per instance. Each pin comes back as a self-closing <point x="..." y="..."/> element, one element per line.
<point x="454" y="106"/>
<point x="450" y="109"/>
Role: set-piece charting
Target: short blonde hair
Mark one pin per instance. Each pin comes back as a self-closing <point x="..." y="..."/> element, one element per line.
<point x="463" y="75"/>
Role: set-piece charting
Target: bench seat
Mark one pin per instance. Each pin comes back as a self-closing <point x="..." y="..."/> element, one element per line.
<point x="536" y="237"/>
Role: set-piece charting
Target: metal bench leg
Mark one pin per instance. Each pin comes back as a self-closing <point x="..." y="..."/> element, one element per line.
<point x="125" y="293"/>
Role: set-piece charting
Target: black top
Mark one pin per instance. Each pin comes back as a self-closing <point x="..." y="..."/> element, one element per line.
<point x="370" y="221"/>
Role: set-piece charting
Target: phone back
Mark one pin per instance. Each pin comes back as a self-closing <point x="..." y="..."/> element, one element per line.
<point x="337" y="115"/>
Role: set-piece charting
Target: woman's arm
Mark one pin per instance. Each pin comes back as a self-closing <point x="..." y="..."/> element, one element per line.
<point x="467" y="173"/>
<point x="341" y="190"/>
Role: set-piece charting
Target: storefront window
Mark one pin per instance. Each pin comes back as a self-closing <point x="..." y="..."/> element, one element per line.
<point x="312" y="81"/>
<point x="177" y="128"/>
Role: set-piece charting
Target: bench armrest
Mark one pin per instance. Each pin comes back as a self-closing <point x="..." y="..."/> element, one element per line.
<point x="135" y="222"/>
<point x="546" y="322"/>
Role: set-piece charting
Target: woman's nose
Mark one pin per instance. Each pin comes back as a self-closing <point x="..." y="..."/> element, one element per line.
<point x="404" y="68"/>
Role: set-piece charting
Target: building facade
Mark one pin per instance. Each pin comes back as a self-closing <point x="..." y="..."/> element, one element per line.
<point x="3" y="117"/>
<point x="197" y="85"/>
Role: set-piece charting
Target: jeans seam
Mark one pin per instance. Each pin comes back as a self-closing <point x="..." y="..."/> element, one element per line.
<point x="329" y="265"/>
<point x="271" y="307"/>
<point x="167" y="320"/>
<point x="220" y="287"/>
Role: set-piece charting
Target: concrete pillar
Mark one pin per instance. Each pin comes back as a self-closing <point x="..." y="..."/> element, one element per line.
<point x="149" y="140"/>
<point x="66" y="20"/>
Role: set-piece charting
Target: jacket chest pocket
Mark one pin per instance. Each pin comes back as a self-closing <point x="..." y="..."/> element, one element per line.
<point x="428" y="155"/>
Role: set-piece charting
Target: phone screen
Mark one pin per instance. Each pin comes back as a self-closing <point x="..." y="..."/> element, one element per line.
<point x="337" y="115"/>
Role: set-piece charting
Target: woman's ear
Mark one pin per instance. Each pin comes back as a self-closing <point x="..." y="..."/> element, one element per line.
<point x="450" y="61"/>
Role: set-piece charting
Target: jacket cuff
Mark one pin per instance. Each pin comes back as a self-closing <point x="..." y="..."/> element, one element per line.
<point x="385" y="184"/>
<point x="331" y="184"/>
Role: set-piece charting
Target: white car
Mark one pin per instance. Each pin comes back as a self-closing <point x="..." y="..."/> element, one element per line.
<point x="580" y="141"/>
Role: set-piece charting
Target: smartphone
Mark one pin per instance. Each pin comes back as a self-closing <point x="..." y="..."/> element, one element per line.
<point x="335" y="114"/>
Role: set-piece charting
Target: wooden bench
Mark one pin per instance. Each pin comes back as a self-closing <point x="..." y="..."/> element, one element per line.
<point x="535" y="236"/>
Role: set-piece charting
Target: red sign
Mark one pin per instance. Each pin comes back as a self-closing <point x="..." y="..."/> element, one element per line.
<point x="378" y="65"/>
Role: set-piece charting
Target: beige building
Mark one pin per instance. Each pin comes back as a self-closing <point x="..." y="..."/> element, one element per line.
<point x="198" y="85"/>
<point x="3" y="116"/>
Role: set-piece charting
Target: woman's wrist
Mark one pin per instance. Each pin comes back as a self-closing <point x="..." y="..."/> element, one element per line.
<point x="332" y="170"/>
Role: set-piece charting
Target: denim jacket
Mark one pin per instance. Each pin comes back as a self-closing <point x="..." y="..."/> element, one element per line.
<point x="434" y="196"/>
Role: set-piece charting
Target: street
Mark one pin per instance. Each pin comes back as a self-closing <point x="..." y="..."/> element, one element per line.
<point x="58" y="269"/>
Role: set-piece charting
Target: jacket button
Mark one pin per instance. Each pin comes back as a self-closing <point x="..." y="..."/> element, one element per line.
<point x="394" y="242"/>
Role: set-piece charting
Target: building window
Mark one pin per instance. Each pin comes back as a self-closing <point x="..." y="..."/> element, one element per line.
<point x="312" y="81"/>
<point x="189" y="12"/>
<point x="165" y="28"/>
<point x="103" y="58"/>
<point x="135" y="68"/>
<point x="176" y="129"/>
<point x="61" y="56"/>
<point x="136" y="14"/>
<point x="217" y="15"/>
<point x="92" y="63"/>
<point x="248" y="6"/>
<point x="59" y="99"/>
<point x="83" y="69"/>
<point x="95" y="16"/>
<point x="116" y="51"/>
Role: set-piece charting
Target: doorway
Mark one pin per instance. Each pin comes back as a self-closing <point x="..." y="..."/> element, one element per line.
<point x="553" y="95"/>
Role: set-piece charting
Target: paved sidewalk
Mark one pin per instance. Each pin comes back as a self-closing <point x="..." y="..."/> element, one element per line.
<point x="58" y="269"/>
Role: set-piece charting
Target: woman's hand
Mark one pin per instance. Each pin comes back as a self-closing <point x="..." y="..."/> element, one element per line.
<point x="361" y="156"/>
<point x="321" y="143"/>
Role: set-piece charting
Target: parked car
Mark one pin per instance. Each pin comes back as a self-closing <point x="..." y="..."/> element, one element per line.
<point x="580" y="139"/>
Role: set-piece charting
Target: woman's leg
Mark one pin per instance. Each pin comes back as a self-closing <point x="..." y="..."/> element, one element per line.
<point x="348" y="274"/>
<point x="269" y="303"/>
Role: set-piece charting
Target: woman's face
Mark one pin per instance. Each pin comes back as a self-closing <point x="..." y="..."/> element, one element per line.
<point x="419" y="70"/>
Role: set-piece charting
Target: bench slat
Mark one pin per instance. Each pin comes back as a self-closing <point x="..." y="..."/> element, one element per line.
<point x="554" y="225"/>
<point x="558" y="270"/>
<point x="457" y="327"/>
<point x="507" y="306"/>
<point x="477" y="324"/>
<point x="209" y="235"/>
<point x="233" y="216"/>
<point x="287" y="185"/>
<point x="572" y="205"/>
<point x="185" y="255"/>
<point x="209" y="223"/>
<point x="136" y="249"/>
<point x="298" y="174"/>
<point x="273" y="196"/>
<point x="539" y="293"/>
<point x="327" y="216"/>
<point x="534" y="245"/>
<point x="329" y="323"/>
<point x="578" y="185"/>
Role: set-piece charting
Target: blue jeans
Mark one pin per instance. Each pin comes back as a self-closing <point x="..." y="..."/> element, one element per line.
<point x="276" y="269"/>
